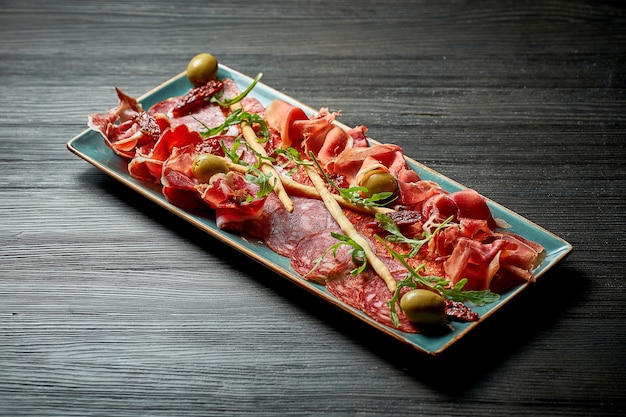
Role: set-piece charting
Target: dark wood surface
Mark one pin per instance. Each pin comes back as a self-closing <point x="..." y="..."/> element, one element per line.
<point x="110" y="305"/>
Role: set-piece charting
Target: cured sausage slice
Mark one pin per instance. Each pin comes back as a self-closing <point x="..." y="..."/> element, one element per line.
<point x="348" y="288"/>
<point x="309" y="250"/>
<point x="373" y="302"/>
<point x="284" y="230"/>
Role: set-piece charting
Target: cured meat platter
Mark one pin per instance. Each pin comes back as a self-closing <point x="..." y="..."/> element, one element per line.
<point x="90" y="146"/>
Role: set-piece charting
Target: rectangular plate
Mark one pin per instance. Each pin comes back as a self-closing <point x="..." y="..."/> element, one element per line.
<point x="90" y="146"/>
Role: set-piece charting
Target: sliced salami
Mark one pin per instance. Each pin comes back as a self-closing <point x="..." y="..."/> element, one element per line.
<point x="284" y="230"/>
<point x="313" y="258"/>
<point x="373" y="302"/>
<point x="347" y="287"/>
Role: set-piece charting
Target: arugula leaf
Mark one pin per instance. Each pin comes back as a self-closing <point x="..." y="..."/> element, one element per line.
<point x="260" y="178"/>
<point x="253" y="172"/>
<point x="358" y="254"/>
<point x="292" y="156"/>
<point x="479" y="298"/>
<point x="386" y="223"/>
<point x="229" y="102"/>
<point x="355" y="195"/>
<point x="235" y="118"/>
<point x="232" y="152"/>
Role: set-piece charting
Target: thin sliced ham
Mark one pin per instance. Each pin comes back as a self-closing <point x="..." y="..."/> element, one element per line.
<point x="153" y="158"/>
<point x="474" y="206"/>
<point x="127" y="127"/>
<point x="318" y="134"/>
<point x="476" y="261"/>
<point x="281" y="116"/>
<point x="234" y="200"/>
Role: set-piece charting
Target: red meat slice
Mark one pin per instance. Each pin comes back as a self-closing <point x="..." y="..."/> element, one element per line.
<point x="347" y="287"/>
<point x="282" y="231"/>
<point x="178" y="180"/>
<point x="309" y="250"/>
<point x="148" y="162"/>
<point x="127" y="127"/>
<point x="472" y="205"/>
<point x="280" y="116"/>
<point x="374" y="298"/>
<point x="476" y="261"/>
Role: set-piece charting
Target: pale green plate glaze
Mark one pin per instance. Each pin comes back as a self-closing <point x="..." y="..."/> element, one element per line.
<point x="90" y="146"/>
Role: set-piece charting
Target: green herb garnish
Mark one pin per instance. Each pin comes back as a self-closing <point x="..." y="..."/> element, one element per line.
<point x="253" y="174"/>
<point x="235" y="118"/>
<point x="358" y="254"/>
<point x="386" y="223"/>
<point x="414" y="278"/>
<point x="292" y="156"/>
<point x="260" y="178"/>
<point x="229" y="102"/>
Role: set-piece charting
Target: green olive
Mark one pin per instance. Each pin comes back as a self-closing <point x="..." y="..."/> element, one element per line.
<point x="424" y="306"/>
<point x="379" y="182"/>
<point x="201" y="69"/>
<point x="206" y="165"/>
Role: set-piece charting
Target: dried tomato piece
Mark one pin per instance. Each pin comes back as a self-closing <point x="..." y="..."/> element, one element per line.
<point x="455" y="310"/>
<point x="196" y="98"/>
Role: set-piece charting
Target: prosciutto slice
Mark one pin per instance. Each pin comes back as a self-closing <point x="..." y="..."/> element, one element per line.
<point x="318" y="134"/>
<point x="127" y="127"/>
<point x="281" y="116"/>
<point x="147" y="164"/>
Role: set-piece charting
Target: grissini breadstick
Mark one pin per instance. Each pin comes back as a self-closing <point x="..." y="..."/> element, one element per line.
<point x="266" y="167"/>
<point x="348" y="228"/>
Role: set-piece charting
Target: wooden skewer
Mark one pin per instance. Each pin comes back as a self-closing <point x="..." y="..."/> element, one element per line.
<point x="252" y="141"/>
<point x="349" y="229"/>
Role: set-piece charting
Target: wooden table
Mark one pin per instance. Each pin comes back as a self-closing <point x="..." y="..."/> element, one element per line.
<point x="110" y="305"/>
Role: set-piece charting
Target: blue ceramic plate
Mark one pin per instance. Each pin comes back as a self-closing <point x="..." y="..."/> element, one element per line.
<point x="90" y="146"/>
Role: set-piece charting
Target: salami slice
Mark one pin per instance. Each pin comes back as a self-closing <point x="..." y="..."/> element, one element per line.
<point x="373" y="302"/>
<point x="347" y="287"/>
<point x="313" y="259"/>
<point x="284" y="230"/>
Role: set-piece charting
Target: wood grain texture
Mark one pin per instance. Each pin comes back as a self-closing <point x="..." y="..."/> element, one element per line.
<point x="109" y="305"/>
